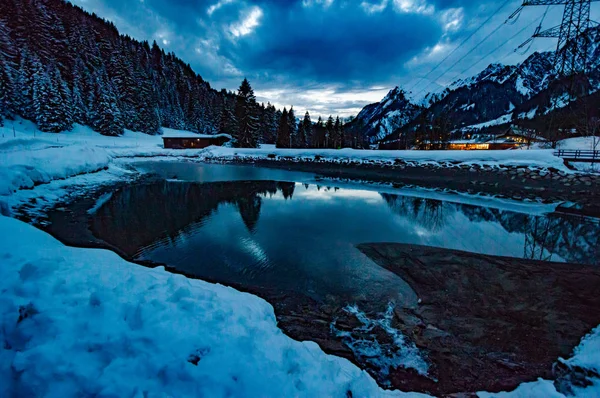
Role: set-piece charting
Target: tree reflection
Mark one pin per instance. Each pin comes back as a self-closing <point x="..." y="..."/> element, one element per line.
<point x="548" y="237"/>
<point x="140" y="215"/>
<point x="427" y="213"/>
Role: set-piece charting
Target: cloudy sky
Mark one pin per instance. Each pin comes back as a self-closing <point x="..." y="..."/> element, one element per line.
<point x="330" y="56"/>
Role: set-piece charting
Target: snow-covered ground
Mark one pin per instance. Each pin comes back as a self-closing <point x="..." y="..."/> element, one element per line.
<point x="83" y="321"/>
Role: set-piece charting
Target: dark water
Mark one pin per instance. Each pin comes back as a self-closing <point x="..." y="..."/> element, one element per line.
<point x="300" y="237"/>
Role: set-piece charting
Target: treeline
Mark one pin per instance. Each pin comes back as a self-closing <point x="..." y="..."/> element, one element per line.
<point x="60" y="65"/>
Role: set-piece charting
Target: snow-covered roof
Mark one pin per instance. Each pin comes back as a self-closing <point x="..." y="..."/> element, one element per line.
<point x="173" y="133"/>
<point x="198" y="136"/>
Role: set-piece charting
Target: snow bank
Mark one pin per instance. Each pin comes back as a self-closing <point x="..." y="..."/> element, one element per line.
<point x="85" y="322"/>
<point x="38" y="163"/>
<point x="541" y="158"/>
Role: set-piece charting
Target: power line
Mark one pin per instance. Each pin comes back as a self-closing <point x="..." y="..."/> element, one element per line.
<point x="462" y="43"/>
<point x="467" y="54"/>
<point x="499" y="47"/>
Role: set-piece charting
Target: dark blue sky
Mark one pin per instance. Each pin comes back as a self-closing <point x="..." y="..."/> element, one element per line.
<point x="327" y="56"/>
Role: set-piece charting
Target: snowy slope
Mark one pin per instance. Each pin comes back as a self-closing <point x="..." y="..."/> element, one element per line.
<point x="382" y="118"/>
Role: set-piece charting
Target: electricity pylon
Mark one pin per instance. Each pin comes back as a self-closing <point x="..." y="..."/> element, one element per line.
<point x="572" y="39"/>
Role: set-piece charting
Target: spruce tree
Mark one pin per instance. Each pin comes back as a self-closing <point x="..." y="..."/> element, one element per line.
<point x="337" y="133"/>
<point x="50" y="108"/>
<point x="307" y="131"/>
<point x="283" y="132"/>
<point x="5" y="93"/>
<point x="105" y="116"/>
<point x="329" y="133"/>
<point x="24" y="86"/>
<point x="319" y="134"/>
<point x="246" y="114"/>
<point x="293" y="128"/>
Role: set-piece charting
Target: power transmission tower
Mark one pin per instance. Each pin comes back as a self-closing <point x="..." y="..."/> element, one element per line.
<point x="573" y="41"/>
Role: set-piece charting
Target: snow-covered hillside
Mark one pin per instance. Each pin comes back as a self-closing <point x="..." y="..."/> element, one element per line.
<point x="381" y="119"/>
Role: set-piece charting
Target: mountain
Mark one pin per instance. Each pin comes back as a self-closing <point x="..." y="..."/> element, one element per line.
<point x="380" y="119"/>
<point x="497" y="96"/>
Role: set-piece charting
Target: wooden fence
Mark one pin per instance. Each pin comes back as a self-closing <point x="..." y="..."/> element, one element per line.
<point x="578" y="155"/>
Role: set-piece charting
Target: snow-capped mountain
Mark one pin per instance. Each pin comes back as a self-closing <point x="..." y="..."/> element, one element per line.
<point x="497" y="95"/>
<point x="381" y="118"/>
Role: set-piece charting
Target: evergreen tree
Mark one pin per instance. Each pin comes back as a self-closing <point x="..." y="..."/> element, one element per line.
<point x="307" y="131"/>
<point x="337" y="133"/>
<point x="24" y="86"/>
<point x="105" y="116"/>
<point x="293" y="127"/>
<point x="5" y="92"/>
<point x="271" y="124"/>
<point x="330" y="133"/>
<point x="283" y="133"/>
<point x="246" y="114"/>
<point x="319" y="134"/>
<point x="50" y="101"/>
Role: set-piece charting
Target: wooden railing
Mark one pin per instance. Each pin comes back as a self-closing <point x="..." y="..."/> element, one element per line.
<point x="578" y="155"/>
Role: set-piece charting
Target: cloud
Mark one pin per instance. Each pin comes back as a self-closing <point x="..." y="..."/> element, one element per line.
<point x="217" y="6"/>
<point x="249" y="21"/>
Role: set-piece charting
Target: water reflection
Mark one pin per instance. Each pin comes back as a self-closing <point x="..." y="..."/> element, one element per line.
<point x="301" y="237"/>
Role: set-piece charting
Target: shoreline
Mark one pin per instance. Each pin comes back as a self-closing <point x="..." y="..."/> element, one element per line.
<point x="505" y="182"/>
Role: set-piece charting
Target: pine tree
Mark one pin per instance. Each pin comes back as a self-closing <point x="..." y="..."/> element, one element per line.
<point x="337" y="133"/>
<point x="307" y="131"/>
<point x="50" y="107"/>
<point x="5" y="92"/>
<point x="283" y="133"/>
<point x="293" y="128"/>
<point x="105" y="116"/>
<point x="319" y="134"/>
<point x="329" y="133"/>
<point x="24" y="86"/>
<point x="246" y="114"/>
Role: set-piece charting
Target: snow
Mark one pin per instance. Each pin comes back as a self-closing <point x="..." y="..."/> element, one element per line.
<point x="27" y="168"/>
<point x="501" y="120"/>
<point x="383" y="356"/>
<point x="467" y="107"/>
<point x="535" y="158"/>
<point x="582" y="143"/>
<point x="520" y="86"/>
<point x="528" y="115"/>
<point x="167" y="132"/>
<point x="86" y="322"/>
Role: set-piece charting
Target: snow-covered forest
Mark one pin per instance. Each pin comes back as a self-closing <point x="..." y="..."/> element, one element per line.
<point x="60" y="65"/>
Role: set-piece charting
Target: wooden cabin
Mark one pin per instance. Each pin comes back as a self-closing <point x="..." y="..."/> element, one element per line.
<point x="193" y="142"/>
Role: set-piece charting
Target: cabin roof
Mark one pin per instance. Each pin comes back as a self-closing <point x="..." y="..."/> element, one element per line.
<point x="197" y="136"/>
